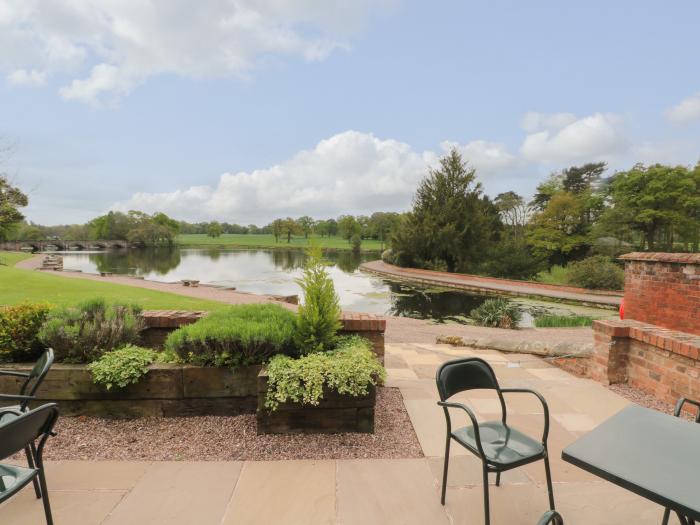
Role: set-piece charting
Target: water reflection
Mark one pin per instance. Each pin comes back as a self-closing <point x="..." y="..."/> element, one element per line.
<point x="275" y="272"/>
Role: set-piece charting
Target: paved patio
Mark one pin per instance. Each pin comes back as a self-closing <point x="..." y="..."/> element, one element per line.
<point x="400" y="491"/>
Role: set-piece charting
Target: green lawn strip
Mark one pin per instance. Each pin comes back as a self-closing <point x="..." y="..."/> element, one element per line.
<point x="555" y="275"/>
<point x="562" y="321"/>
<point x="268" y="241"/>
<point x="18" y="285"/>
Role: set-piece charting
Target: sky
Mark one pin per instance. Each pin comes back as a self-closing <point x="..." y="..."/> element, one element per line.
<point x="244" y="111"/>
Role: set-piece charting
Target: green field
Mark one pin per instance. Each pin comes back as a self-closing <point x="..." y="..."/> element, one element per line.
<point x="18" y="285"/>
<point x="230" y="240"/>
<point x="555" y="275"/>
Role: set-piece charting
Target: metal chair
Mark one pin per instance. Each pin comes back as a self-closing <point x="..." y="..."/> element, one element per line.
<point x="677" y="412"/>
<point x="30" y="385"/>
<point x="16" y="434"/>
<point x="551" y="517"/>
<point x="499" y="446"/>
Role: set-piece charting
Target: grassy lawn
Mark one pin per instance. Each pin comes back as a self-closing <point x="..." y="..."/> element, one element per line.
<point x="18" y="285"/>
<point x="268" y="241"/>
<point x="555" y="275"/>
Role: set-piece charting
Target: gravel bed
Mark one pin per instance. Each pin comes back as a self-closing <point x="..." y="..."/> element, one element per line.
<point x="230" y="438"/>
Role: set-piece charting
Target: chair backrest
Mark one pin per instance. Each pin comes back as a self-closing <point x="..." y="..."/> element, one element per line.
<point x="465" y="374"/>
<point x="17" y="433"/>
<point x="36" y="376"/>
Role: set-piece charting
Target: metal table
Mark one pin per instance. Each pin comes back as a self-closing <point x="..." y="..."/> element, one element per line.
<point x="654" y="455"/>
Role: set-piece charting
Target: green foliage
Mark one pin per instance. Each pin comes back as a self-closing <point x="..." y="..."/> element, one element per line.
<point x="562" y="321"/>
<point x="452" y="223"/>
<point x="122" y="367"/>
<point x="349" y="369"/>
<point x="82" y="334"/>
<point x="19" y="329"/>
<point x="348" y="226"/>
<point x="356" y="243"/>
<point x="11" y="199"/>
<point x="136" y="227"/>
<point x="318" y="319"/>
<point x="597" y="272"/>
<point x="557" y="274"/>
<point x="512" y="258"/>
<point x="497" y="313"/>
<point x="241" y="335"/>
<point x="214" y="230"/>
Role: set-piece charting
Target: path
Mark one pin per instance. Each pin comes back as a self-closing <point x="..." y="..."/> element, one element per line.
<point x="398" y="329"/>
<point x="365" y="491"/>
<point x="607" y="299"/>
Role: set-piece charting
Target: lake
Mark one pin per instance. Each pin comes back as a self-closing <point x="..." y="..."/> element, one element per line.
<point x="274" y="272"/>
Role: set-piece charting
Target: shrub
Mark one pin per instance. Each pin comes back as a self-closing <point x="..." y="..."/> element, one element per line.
<point x="597" y="272"/>
<point x="318" y="321"/>
<point x="562" y="321"/>
<point x="19" y="331"/>
<point x="497" y="313"/>
<point x="122" y="367"/>
<point x="356" y="242"/>
<point x="84" y="333"/>
<point x="242" y="335"/>
<point x="349" y="369"/>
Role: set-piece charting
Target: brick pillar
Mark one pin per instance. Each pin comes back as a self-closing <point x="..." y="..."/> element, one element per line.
<point x="610" y="352"/>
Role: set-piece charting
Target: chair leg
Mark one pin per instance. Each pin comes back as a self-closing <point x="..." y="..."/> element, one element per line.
<point x="667" y="515"/>
<point x="444" y="470"/>
<point x="498" y="479"/>
<point x="45" y="496"/>
<point x="487" y="513"/>
<point x="30" y="461"/>
<point x="549" y="482"/>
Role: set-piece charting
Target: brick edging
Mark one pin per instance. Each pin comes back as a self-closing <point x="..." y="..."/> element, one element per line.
<point x="663" y="257"/>
<point x="681" y="343"/>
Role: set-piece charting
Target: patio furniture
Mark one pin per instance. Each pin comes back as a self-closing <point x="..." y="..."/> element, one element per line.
<point x="551" y="517"/>
<point x="677" y="412"/>
<point x="646" y="452"/>
<point x="500" y="446"/>
<point x="17" y="434"/>
<point x="32" y="382"/>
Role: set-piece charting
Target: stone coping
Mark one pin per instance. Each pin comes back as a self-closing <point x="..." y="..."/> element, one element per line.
<point x="681" y="343"/>
<point x="351" y="321"/>
<point x="662" y="257"/>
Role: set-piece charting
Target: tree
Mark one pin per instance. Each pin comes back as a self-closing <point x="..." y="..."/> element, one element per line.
<point x="557" y="232"/>
<point x="277" y="227"/>
<point x="290" y="227"/>
<point x="215" y="229"/>
<point x="306" y="224"/>
<point x="452" y="223"/>
<point x="514" y="212"/>
<point x="322" y="228"/>
<point x="332" y="227"/>
<point x="113" y="225"/>
<point x="579" y="179"/>
<point x="11" y="199"/>
<point x="348" y="226"/>
<point x="660" y="203"/>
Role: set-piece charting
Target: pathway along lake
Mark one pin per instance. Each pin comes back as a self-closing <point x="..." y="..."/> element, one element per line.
<point x="274" y="272"/>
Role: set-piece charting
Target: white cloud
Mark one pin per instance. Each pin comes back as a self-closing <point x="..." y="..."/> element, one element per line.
<point x="487" y="157"/>
<point x="595" y="137"/>
<point x="533" y="121"/>
<point x="22" y="77"/>
<point x="351" y="172"/>
<point x="123" y="42"/>
<point x="687" y="110"/>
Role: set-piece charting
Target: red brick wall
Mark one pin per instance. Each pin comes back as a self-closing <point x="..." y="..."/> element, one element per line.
<point x="660" y="361"/>
<point x="663" y="289"/>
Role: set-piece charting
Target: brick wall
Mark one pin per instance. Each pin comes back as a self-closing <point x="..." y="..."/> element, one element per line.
<point x="663" y="289"/>
<point x="661" y="361"/>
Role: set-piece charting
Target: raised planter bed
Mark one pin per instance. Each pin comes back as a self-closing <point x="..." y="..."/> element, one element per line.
<point x="167" y="390"/>
<point x="335" y="413"/>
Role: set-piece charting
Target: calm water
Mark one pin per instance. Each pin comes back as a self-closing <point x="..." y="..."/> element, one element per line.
<point x="275" y="271"/>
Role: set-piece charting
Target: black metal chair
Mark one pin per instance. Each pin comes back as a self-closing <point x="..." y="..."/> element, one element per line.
<point x="27" y="392"/>
<point x="551" y="517"/>
<point x="17" y="434"/>
<point x="677" y="412"/>
<point x="499" y="446"/>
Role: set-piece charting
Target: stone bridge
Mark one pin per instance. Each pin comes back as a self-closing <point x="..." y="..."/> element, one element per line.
<point x="61" y="245"/>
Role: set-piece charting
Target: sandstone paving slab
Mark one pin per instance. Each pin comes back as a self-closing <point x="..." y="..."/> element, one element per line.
<point x="95" y="475"/>
<point x="172" y="493"/>
<point x="400" y="373"/>
<point x="466" y="471"/>
<point x="551" y="374"/>
<point x="429" y="424"/>
<point x="386" y="492"/>
<point x="576" y="422"/>
<point x="284" y="492"/>
<point x="69" y="507"/>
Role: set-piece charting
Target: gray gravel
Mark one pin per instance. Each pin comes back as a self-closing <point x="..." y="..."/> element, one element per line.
<point x="230" y="438"/>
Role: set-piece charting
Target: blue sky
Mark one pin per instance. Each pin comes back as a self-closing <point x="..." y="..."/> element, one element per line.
<point x="245" y="111"/>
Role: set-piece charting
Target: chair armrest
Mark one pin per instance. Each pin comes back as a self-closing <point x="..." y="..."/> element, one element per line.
<point x="551" y="517"/>
<point x="14" y="373"/>
<point x="15" y="397"/>
<point x="545" y="407"/>
<point x="448" y="404"/>
<point x="679" y="407"/>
